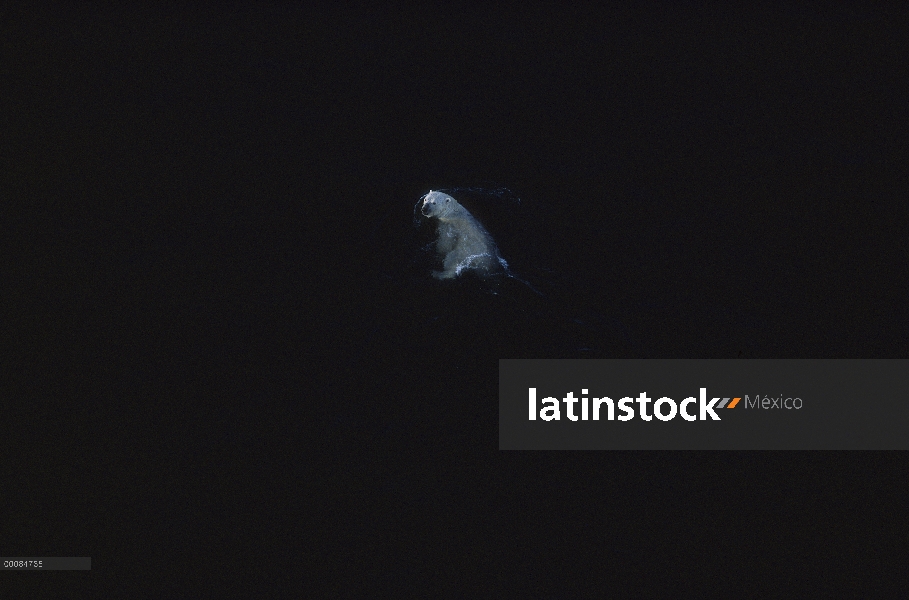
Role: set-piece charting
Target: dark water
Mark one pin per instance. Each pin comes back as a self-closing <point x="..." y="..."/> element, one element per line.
<point x="229" y="347"/>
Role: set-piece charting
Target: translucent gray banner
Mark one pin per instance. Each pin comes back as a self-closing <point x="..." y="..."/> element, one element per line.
<point x="846" y="404"/>
<point x="45" y="563"/>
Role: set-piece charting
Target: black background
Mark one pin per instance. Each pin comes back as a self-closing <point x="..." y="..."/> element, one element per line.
<point x="226" y="365"/>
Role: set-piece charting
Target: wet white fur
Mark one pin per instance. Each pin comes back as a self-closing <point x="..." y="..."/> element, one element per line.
<point x="463" y="242"/>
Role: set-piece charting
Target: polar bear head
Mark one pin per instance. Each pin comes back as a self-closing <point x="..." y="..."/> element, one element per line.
<point x="438" y="205"/>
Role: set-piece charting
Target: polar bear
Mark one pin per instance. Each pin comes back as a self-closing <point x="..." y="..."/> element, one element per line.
<point x="463" y="242"/>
